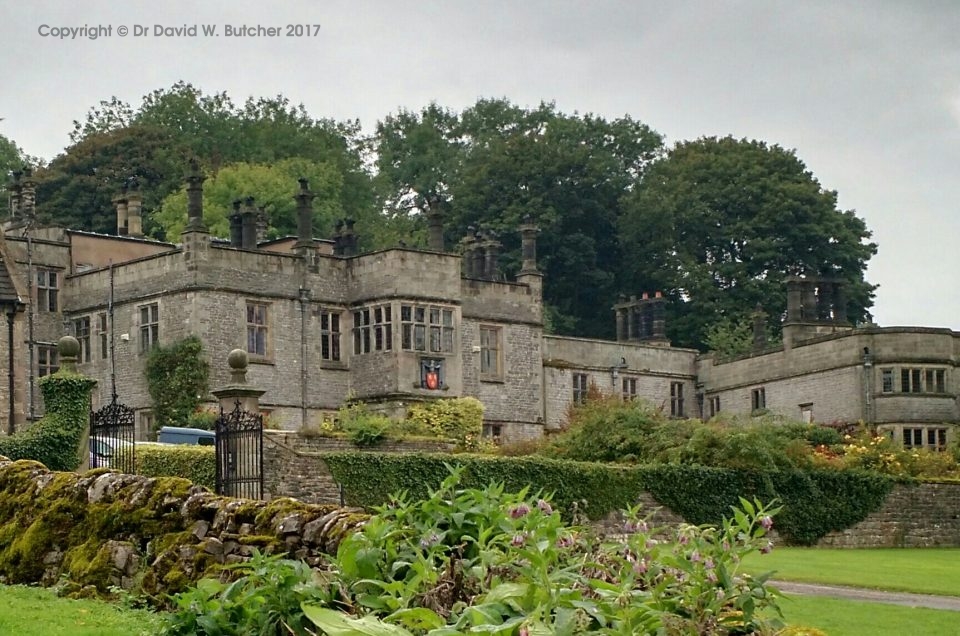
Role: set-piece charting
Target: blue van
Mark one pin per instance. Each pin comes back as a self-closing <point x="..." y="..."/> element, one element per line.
<point x="183" y="435"/>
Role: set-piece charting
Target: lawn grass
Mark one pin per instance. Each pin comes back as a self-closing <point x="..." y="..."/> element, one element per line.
<point x="839" y="617"/>
<point x="31" y="611"/>
<point x="920" y="570"/>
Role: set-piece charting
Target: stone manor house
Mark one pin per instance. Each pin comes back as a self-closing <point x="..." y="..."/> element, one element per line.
<point x="322" y="323"/>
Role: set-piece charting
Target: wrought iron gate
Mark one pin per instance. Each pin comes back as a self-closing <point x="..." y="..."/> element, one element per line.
<point x="112" y="434"/>
<point x="240" y="453"/>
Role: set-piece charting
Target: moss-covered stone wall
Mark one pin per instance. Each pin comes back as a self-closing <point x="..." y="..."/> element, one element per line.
<point x="152" y="535"/>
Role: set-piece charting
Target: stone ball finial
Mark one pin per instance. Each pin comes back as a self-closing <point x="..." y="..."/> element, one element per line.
<point x="237" y="359"/>
<point x="68" y="347"/>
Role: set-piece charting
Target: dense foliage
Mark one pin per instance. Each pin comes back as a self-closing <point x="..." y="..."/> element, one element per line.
<point x="721" y="222"/>
<point x="815" y="502"/>
<point x="486" y="561"/>
<point x="55" y="440"/>
<point x="177" y="378"/>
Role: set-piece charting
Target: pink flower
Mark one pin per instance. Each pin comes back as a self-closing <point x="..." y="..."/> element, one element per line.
<point x="767" y="549"/>
<point x="544" y="507"/>
<point x="518" y="539"/>
<point x="766" y="523"/>
<point x="519" y="511"/>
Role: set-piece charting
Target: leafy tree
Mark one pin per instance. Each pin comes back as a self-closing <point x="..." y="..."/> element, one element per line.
<point x="495" y="164"/>
<point x="77" y="188"/>
<point x="12" y="158"/>
<point x="272" y="187"/>
<point x="210" y="127"/>
<point x="719" y="223"/>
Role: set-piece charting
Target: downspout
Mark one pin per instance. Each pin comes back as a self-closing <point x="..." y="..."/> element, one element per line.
<point x="113" y="358"/>
<point x="31" y="305"/>
<point x="11" y="313"/>
<point x="304" y="295"/>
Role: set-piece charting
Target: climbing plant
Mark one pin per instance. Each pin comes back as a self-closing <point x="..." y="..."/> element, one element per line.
<point x="177" y="378"/>
<point x="55" y="440"/>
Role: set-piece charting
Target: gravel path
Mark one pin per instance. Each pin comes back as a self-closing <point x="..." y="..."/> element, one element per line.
<point x="875" y="596"/>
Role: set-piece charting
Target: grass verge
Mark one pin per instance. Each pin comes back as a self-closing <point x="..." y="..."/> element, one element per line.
<point x="919" y="570"/>
<point x="855" y="618"/>
<point x="31" y="611"/>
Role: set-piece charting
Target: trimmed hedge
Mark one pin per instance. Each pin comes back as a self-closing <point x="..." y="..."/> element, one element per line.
<point x="195" y="463"/>
<point x="814" y="502"/>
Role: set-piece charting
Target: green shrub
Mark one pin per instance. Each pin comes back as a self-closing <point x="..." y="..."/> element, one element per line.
<point x="362" y="427"/>
<point x="54" y="441"/>
<point x="197" y="464"/>
<point x="814" y="502"/>
<point x="177" y="377"/>
<point x="204" y="418"/>
<point x="460" y="419"/>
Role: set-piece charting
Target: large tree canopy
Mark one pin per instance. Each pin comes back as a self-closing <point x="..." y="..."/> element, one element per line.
<point x="116" y="142"/>
<point x="719" y="223"/>
<point x="495" y="164"/>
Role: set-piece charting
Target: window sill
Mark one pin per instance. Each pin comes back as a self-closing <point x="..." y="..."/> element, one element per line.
<point x="492" y="379"/>
<point x="255" y="359"/>
<point x="334" y="365"/>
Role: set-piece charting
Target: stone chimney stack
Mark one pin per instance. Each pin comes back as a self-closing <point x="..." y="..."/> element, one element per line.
<point x="304" y="198"/>
<point x="435" y="222"/>
<point x="759" y="318"/>
<point x="491" y="253"/>
<point x="121" y="202"/>
<point x="338" y="238"/>
<point x="195" y="198"/>
<point x="28" y="194"/>
<point x="528" y="237"/>
<point x="261" y="224"/>
<point x="349" y="238"/>
<point x="236" y="225"/>
<point x="466" y="251"/>
<point x="15" y="188"/>
<point x="134" y="208"/>
<point x="248" y="239"/>
<point x="794" y="301"/>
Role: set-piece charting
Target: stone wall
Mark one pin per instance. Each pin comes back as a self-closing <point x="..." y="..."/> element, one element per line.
<point x="293" y="466"/>
<point x="913" y="516"/>
<point x="103" y="529"/>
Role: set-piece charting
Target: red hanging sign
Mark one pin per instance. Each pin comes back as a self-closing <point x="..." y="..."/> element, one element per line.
<point x="433" y="380"/>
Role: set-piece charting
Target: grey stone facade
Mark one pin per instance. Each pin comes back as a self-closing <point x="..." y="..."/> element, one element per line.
<point x="323" y="324"/>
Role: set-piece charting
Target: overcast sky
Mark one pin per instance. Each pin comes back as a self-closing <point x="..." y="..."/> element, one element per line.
<point x="868" y="93"/>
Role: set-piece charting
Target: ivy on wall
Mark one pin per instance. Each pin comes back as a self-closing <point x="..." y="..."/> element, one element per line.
<point x="178" y="379"/>
<point x="814" y="502"/>
<point x="54" y="440"/>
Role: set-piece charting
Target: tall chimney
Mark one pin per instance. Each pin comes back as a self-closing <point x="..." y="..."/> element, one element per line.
<point x="236" y="225"/>
<point x="249" y="223"/>
<point x="195" y="198"/>
<point x="491" y="254"/>
<point x="28" y="194"/>
<point x="121" y="202"/>
<point x="304" y="198"/>
<point x="338" y="238"/>
<point x="759" y="318"/>
<point x="808" y="300"/>
<point x="839" y="302"/>
<point x="435" y="222"/>
<point x="466" y="252"/>
<point x="15" y="189"/>
<point x="134" y="208"/>
<point x="261" y="224"/>
<point x="528" y="238"/>
<point x="349" y="238"/>
<point x="794" y="301"/>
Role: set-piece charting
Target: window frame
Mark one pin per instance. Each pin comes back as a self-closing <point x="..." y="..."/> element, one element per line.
<point x="581" y="386"/>
<point x="427" y="328"/>
<point x="676" y="399"/>
<point x="758" y="398"/>
<point x="258" y="329"/>
<point x="103" y="330"/>
<point x="933" y="438"/>
<point x="373" y="329"/>
<point x="48" y="290"/>
<point x="81" y="331"/>
<point x="48" y="360"/>
<point x="887" y="380"/>
<point x="149" y="330"/>
<point x="330" y="335"/>
<point x="491" y="352"/>
<point x="713" y="402"/>
<point x="628" y="389"/>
